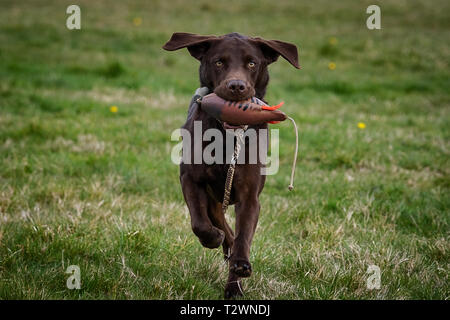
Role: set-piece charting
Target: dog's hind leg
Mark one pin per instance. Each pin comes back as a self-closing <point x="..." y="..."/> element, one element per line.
<point x="197" y="201"/>
<point x="218" y="220"/>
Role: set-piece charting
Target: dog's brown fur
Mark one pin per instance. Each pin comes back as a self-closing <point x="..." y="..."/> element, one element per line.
<point x="235" y="68"/>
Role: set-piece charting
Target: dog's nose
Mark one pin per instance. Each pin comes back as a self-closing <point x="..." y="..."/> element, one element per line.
<point x="236" y="86"/>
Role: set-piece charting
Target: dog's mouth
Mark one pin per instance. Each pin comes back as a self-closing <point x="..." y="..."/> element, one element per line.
<point x="226" y="126"/>
<point x="225" y="94"/>
<point x="222" y="91"/>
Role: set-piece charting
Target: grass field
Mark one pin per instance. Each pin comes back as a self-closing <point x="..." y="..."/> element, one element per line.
<point x="81" y="185"/>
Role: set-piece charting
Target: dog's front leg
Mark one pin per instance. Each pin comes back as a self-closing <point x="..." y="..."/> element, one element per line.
<point x="247" y="213"/>
<point x="196" y="199"/>
<point x="233" y="288"/>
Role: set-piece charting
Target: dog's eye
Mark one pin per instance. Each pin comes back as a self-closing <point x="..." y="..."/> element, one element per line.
<point x="251" y="64"/>
<point x="219" y="63"/>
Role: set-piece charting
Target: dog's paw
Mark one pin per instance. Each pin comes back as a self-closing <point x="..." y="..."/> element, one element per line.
<point x="211" y="238"/>
<point x="241" y="268"/>
<point x="233" y="290"/>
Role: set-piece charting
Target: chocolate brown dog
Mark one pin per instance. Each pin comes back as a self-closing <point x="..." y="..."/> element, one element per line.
<point x="235" y="68"/>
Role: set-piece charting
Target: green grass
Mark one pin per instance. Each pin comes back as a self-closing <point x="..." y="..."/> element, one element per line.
<point x="80" y="185"/>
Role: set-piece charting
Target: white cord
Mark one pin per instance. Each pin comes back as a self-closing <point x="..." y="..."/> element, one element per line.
<point x="291" y="185"/>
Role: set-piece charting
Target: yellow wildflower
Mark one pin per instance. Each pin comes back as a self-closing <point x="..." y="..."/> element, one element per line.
<point x="137" y="21"/>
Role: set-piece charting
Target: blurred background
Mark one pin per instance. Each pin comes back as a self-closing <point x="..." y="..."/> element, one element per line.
<point x="86" y="178"/>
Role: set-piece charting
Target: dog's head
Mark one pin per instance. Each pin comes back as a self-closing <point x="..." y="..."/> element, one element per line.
<point x="234" y="66"/>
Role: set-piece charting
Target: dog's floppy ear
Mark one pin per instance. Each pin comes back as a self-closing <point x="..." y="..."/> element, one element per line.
<point x="196" y="44"/>
<point x="272" y="49"/>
